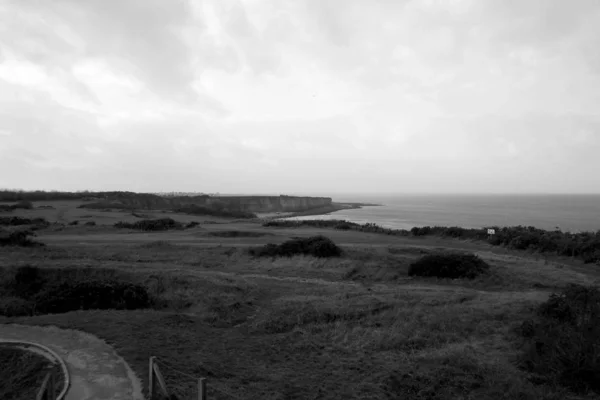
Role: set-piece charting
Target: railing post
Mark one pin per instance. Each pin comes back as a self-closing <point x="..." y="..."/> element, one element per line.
<point x="151" y="378"/>
<point x="51" y="386"/>
<point x="202" y="389"/>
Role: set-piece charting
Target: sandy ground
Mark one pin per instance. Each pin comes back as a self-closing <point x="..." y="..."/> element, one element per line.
<point x="97" y="371"/>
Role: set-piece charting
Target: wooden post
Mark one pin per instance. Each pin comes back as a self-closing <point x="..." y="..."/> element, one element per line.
<point x="51" y="392"/>
<point x="202" y="389"/>
<point x="42" y="393"/>
<point x="151" y="378"/>
<point x="161" y="381"/>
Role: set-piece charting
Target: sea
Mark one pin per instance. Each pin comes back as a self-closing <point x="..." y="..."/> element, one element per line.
<point x="568" y="213"/>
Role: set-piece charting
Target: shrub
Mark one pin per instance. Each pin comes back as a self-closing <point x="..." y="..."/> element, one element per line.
<point x="18" y="238"/>
<point x="90" y="223"/>
<point x="317" y="246"/>
<point x="449" y="265"/>
<point x="30" y="290"/>
<point x="16" y="221"/>
<point x="23" y="204"/>
<point x="74" y="222"/>
<point x="564" y="342"/>
<point x="232" y="234"/>
<point x="93" y="294"/>
<point x="216" y="212"/>
<point x="15" y="307"/>
<point x="27" y="281"/>
<point x="192" y="224"/>
<point x="161" y="224"/>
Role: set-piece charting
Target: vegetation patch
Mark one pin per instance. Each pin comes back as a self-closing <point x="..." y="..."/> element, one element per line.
<point x="564" y="340"/>
<point x="23" y="204"/>
<point x="582" y="245"/>
<point x="449" y="265"/>
<point x="17" y="221"/>
<point x="317" y="246"/>
<point x="161" y="224"/>
<point x="215" y="212"/>
<point x="29" y="290"/>
<point x="18" y="238"/>
<point x="233" y="234"/>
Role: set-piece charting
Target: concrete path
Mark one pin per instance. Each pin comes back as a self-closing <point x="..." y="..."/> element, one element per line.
<point x="97" y="372"/>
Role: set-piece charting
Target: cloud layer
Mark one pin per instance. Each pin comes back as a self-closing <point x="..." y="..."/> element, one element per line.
<point x="303" y="96"/>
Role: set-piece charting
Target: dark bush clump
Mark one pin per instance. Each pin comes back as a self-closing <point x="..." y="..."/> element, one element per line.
<point x="215" y="212"/>
<point x="90" y="223"/>
<point x="449" y="265"/>
<point x="74" y="222"/>
<point x="34" y="291"/>
<point x="317" y="246"/>
<point x="192" y="224"/>
<point x="23" y="204"/>
<point x="16" y="221"/>
<point x="234" y="234"/>
<point x="18" y="238"/>
<point x="564" y="341"/>
<point x="161" y="224"/>
<point x="93" y="294"/>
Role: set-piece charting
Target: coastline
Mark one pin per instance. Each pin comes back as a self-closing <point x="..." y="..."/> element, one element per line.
<point x="317" y="211"/>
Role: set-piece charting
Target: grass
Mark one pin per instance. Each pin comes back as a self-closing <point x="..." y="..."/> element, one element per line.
<point x="349" y="327"/>
<point x="21" y="373"/>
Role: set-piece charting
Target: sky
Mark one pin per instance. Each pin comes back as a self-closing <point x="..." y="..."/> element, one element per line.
<point x="301" y="96"/>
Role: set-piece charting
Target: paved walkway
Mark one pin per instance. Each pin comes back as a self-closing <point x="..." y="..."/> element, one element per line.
<point x="97" y="372"/>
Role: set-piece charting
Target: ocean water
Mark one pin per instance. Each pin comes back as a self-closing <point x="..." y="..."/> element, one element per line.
<point x="570" y="213"/>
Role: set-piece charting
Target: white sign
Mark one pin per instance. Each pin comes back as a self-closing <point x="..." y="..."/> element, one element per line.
<point x="491" y="231"/>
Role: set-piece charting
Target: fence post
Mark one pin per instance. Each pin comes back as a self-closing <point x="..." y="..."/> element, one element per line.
<point x="151" y="378"/>
<point x="43" y="392"/>
<point x="202" y="389"/>
<point x="51" y="386"/>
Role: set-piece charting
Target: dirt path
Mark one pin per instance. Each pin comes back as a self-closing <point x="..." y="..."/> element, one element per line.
<point x="97" y="372"/>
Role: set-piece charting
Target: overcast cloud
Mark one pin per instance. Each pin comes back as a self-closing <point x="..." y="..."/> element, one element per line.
<point x="300" y="96"/>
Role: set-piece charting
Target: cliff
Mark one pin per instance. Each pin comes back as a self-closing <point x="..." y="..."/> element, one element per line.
<point x="251" y="204"/>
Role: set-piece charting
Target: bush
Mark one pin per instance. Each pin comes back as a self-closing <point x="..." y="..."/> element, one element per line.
<point x="90" y="223"/>
<point x="192" y="224"/>
<point x="23" y="204"/>
<point x="564" y="342"/>
<point x="15" y="307"/>
<point x="216" y="212"/>
<point x="27" y="281"/>
<point x="74" y="222"/>
<point x="161" y="224"/>
<point x="317" y="246"/>
<point x="449" y="265"/>
<point x="93" y="294"/>
<point x="233" y="234"/>
<point x="17" y="221"/>
<point x="33" y="291"/>
<point x="18" y="238"/>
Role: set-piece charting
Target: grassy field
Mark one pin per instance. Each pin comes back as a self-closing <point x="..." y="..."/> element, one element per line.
<point x="353" y="327"/>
